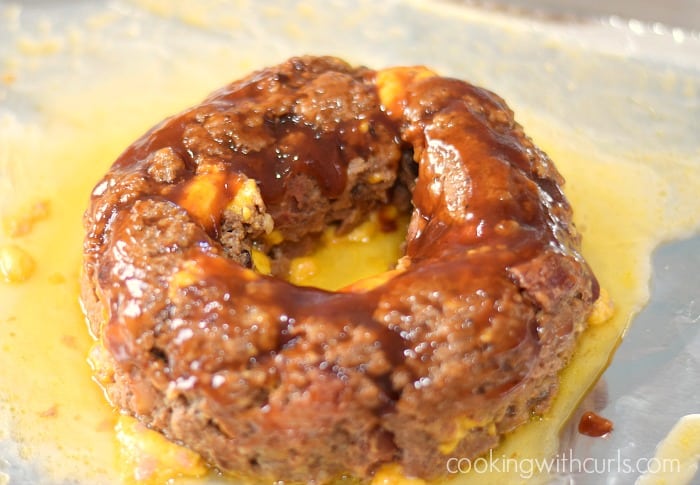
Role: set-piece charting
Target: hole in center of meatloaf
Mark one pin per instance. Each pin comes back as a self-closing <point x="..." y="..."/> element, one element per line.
<point x="305" y="231"/>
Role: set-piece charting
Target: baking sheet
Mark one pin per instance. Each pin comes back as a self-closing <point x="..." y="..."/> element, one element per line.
<point x="684" y="14"/>
<point x="628" y="86"/>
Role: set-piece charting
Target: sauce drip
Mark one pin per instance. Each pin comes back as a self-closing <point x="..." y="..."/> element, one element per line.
<point x="591" y="424"/>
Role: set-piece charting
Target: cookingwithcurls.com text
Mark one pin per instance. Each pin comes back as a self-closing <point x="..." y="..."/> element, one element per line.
<point x="561" y="463"/>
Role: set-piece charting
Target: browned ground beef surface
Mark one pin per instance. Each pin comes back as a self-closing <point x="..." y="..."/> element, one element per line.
<point x="281" y="382"/>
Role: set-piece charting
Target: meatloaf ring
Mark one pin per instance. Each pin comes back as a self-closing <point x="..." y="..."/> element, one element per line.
<point x="439" y="357"/>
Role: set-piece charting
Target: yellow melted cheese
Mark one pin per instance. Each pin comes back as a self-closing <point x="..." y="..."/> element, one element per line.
<point x="364" y="252"/>
<point x="57" y="415"/>
<point x="681" y="447"/>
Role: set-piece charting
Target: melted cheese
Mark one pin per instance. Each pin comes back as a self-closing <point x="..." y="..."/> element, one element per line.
<point x="677" y="456"/>
<point x="364" y="252"/>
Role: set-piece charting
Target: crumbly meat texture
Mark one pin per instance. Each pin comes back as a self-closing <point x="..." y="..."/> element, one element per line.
<point x="455" y="349"/>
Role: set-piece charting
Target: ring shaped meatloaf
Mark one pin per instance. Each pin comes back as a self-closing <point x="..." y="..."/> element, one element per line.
<point x="440" y="357"/>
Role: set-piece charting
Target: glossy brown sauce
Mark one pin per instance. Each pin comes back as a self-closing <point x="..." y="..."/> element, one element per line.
<point x="487" y="205"/>
<point x="594" y="425"/>
<point x="506" y="217"/>
<point x="298" y="148"/>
